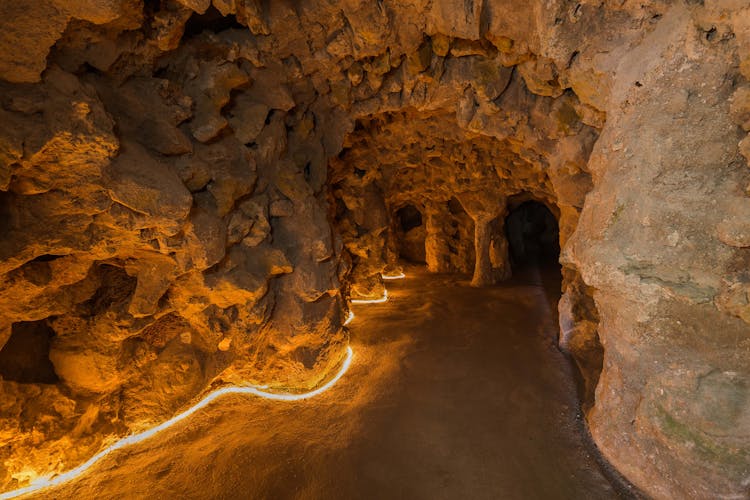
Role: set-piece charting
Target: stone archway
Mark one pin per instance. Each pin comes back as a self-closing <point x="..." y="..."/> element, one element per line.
<point x="533" y="235"/>
<point x="410" y="234"/>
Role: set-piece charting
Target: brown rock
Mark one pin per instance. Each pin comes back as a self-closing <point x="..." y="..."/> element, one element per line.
<point x="85" y="370"/>
<point x="441" y="44"/>
<point x="210" y="91"/>
<point x="734" y="230"/>
<point x="199" y="6"/>
<point x="247" y="118"/>
<point x="149" y="188"/>
<point x="183" y="201"/>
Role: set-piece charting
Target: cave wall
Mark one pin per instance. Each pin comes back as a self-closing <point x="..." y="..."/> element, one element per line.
<point x="661" y="242"/>
<point x="189" y="190"/>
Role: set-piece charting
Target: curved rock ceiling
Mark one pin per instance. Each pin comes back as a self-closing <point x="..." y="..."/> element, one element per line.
<point x="191" y="190"/>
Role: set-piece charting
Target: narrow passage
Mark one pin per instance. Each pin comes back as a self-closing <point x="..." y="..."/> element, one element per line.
<point x="454" y="392"/>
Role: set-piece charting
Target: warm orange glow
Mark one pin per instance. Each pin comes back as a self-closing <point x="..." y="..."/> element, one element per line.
<point x="398" y="276"/>
<point x="44" y="482"/>
<point x="49" y="481"/>
<point x="382" y="299"/>
<point x="349" y="318"/>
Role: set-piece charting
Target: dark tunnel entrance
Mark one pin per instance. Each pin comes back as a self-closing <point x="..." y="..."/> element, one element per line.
<point x="533" y="236"/>
<point x="411" y="234"/>
<point x="25" y="356"/>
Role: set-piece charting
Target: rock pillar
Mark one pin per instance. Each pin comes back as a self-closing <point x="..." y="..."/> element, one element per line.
<point x="483" y="210"/>
<point x="483" y="275"/>
<point x="499" y="251"/>
<point x="436" y="247"/>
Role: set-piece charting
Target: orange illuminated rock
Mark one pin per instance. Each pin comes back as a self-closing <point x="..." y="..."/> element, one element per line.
<point x="190" y="191"/>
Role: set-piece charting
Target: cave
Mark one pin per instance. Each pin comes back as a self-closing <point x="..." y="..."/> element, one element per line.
<point x="25" y="356"/>
<point x="421" y="249"/>
<point x="533" y="236"/>
<point x="410" y="234"/>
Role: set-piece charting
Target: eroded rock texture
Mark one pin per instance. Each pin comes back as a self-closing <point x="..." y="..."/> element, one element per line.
<point x="190" y="189"/>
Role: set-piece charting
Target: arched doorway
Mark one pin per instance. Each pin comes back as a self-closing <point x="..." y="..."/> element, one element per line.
<point x="533" y="236"/>
<point x="411" y="234"/>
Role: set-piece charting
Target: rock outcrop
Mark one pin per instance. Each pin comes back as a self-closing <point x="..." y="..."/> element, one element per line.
<point x="190" y="190"/>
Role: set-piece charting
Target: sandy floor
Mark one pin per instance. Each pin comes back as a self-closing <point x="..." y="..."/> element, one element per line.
<point x="454" y="393"/>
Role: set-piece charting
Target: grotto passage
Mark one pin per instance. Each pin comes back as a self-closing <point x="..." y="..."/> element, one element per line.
<point x="456" y="392"/>
<point x="533" y="236"/>
<point x="200" y="193"/>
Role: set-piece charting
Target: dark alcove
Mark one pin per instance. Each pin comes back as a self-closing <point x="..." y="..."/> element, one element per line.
<point x="533" y="235"/>
<point x="411" y="234"/>
<point x="25" y="356"/>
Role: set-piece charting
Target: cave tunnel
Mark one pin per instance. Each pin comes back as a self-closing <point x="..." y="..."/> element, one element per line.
<point x="410" y="234"/>
<point x="533" y="236"/>
<point x="210" y="211"/>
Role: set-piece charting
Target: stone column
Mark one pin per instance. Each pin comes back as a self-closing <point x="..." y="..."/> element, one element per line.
<point x="499" y="250"/>
<point x="391" y="250"/>
<point x="483" y="210"/>
<point x="482" y="238"/>
<point x="435" y="245"/>
<point x="369" y="247"/>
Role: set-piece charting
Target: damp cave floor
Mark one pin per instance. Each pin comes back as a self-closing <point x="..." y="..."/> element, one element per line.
<point x="454" y="393"/>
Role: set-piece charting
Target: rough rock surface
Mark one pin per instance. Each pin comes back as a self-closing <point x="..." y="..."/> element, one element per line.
<point x="189" y="190"/>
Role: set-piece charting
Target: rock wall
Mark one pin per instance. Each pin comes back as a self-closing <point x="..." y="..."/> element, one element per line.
<point x="190" y="190"/>
<point x="654" y="242"/>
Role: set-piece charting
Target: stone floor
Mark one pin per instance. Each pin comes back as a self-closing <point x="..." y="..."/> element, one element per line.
<point x="454" y="393"/>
